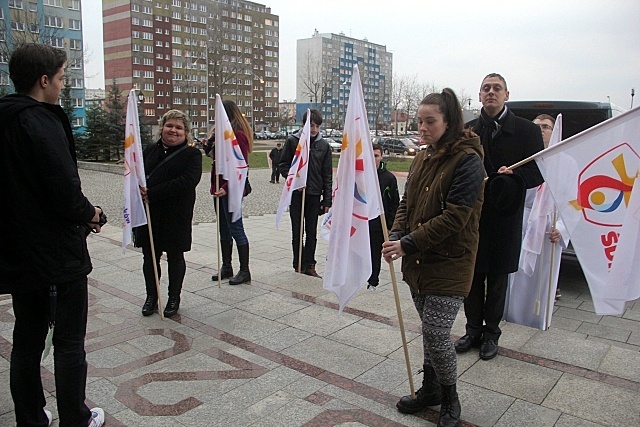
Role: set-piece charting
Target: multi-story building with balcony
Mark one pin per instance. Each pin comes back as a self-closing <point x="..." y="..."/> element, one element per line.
<point x="54" y="22"/>
<point x="324" y="69"/>
<point x="180" y="54"/>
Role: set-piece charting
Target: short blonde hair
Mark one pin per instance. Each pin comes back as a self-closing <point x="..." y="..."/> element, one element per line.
<point x="177" y="115"/>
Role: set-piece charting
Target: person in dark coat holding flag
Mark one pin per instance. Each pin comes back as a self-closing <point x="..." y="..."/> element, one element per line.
<point x="436" y="234"/>
<point x="173" y="167"/>
<point x="506" y="139"/>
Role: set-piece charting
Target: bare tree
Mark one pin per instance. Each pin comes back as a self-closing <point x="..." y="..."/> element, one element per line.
<point x="313" y="79"/>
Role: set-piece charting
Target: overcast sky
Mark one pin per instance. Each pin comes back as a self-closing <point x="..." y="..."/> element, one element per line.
<point x="552" y="50"/>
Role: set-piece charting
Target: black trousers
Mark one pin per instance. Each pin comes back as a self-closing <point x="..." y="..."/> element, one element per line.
<point x="176" y="265"/>
<point x="31" y="311"/>
<point x="486" y="303"/>
<point x="275" y="174"/>
<point x="311" y="210"/>
<point x="376" y="239"/>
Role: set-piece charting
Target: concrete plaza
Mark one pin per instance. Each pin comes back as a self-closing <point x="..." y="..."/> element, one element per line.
<point x="276" y="353"/>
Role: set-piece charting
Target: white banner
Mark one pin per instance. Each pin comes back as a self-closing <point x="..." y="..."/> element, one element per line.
<point x="591" y="176"/>
<point x="229" y="160"/>
<point x="134" y="176"/>
<point x="356" y="200"/>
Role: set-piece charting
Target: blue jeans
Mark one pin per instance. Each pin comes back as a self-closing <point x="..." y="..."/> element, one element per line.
<point x="228" y="229"/>
<point x="31" y="311"/>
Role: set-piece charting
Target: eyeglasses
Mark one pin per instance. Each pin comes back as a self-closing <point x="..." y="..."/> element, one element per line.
<point x="546" y="127"/>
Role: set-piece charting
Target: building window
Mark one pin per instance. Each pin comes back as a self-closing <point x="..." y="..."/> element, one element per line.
<point x="77" y="102"/>
<point x="76" y="83"/>
<point x="55" y="41"/>
<point x="78" y="122"/>
<point x="17" y="26"/>
<point x="74" y="4"/>
<point x="53" y="21"/>
<point x="33" y="7"/>
<point x="34" y="28"/>
<point x="15" y="4"/>
<point x="75" y="44"/>
<point x="74" y="24"/>
<point x="54" y="3"/>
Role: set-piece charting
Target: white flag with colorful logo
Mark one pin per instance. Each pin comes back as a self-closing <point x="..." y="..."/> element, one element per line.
<point x="297" y="176"/>
<point x="356" y="200"/>
<point x="591" y="176"/>
<point x="134" y="175"/>
<point x="229" y="160"/>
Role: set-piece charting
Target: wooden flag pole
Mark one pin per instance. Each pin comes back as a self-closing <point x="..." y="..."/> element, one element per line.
<point x="399" y="310"/>
<point x="153" y="255"/>
<point x="218" y="226"/>
<point x="551" y="268"/>
<point x="304" y="193"/>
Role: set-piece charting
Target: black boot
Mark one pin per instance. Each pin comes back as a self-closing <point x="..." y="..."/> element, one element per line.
<point x="150" y="305"/>
<point x="427" y="395"/>
<point x="226" y="270"/>
<point x="173" y="304"/>
<point x="450" y="408"/>
<point x="243" y="275"/>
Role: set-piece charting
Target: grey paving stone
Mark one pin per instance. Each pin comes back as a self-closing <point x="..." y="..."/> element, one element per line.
<point x="243" y="324"/>
<point x="624" y="324"/>
<point x="283" y="338"/>
<point x="604" y="331"/>
<point x="513" y="378"/>
<point x="632" y="314"/>
<point x="318" y="320"/>
<point x="565" y="323"/>
<point x="374" y="337"/>
<point x="480" y="406"/>
<point x="272" y="306"/>
<point x="571" y="421"/>
<point x="388" y="376"/>
<point x="567" y="347"/>
<point x="634" y="338"/>
<point x="523" y="414"/>
<point x="577" y="314"/>
<point x="333" y="356"/>
<point x="593" y="401"/>
<point x="109" y="357"/>
<point x="622" y="363"/>
<point x="614" y="343"/>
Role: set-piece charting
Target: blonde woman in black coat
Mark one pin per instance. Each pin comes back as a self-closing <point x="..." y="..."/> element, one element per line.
<point x="173" y="167"/>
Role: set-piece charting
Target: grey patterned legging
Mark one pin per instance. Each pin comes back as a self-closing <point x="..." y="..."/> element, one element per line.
<point x="437" y="314"/>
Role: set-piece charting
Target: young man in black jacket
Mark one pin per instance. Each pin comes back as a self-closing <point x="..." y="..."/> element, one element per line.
<point x="44" y="222"/>
<point x="390" y="201"/>
<point x="275" y="154"/>
<point x="319" y="181"/>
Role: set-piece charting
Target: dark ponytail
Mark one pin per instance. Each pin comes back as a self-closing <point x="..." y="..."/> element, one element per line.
<point x="451" y="109"/>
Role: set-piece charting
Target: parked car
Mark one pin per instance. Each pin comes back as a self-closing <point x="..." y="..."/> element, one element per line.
<point x="335" y="145"/>
<point x="404" y="146"/>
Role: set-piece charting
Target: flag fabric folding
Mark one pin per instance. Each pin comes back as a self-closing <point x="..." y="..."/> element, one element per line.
<point x="356" y="200"/>
<point x="591" y="177"/>
<point x="134" y="175"/>
<point x="531" y="292"/>
<point x="297" y="176"/>
<point x="229" y="160"/>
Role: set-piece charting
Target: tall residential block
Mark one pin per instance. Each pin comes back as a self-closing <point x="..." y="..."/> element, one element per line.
<point x="324" y="69"/>
<point x="180" y="54"/>
<point x="54" y="22"/>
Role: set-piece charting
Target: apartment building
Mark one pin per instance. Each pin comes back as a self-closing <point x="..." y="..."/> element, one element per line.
<point x="324" y="67"/>
<point x="54" y="22"/>
<point x="180" y="54"/>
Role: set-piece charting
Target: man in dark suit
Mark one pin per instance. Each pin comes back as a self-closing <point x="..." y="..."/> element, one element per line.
<point x="506" y="139"/>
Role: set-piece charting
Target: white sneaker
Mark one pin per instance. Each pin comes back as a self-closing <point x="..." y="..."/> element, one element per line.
<point x="97" y="418"/>
<point x="49" y="416"/>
